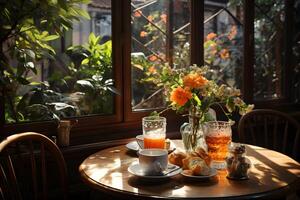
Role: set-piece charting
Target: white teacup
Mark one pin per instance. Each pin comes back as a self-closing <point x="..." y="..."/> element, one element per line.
<point x="140" y="141"/>
<point x="153" y="161"/>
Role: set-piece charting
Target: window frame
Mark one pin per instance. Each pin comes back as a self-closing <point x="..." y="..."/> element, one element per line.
<point x="127" y="123"/>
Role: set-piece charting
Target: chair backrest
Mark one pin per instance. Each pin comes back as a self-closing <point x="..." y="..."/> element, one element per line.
<point x="24" y="169"/>
<point x="271" y="129"/>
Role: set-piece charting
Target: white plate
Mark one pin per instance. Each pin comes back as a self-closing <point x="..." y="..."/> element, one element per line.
<point x="172" y="170"/>
<point x="135" y="147"/>
<point x="212" y="173"/>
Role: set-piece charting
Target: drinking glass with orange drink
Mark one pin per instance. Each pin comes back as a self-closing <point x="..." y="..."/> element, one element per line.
<point x="217" y="136"/>
<point x="154" y="131"/>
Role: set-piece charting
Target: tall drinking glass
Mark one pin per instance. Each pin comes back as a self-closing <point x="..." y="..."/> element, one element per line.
<point x="217" y="136"/>
<point x="154" y="131"/>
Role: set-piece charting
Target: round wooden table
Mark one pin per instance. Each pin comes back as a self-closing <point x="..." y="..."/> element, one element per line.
<point x="272" y="175"/>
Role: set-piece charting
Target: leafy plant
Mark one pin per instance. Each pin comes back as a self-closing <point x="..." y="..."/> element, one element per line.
<point x="26" y="29"/>
<point x="93" y="75"/>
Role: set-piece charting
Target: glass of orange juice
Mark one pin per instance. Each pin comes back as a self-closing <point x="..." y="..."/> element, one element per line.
<point x="154" y="131"/>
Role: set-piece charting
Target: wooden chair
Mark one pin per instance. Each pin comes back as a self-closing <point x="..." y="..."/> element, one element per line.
<point x="24" y="171"/>
<point x="271" y="129"/>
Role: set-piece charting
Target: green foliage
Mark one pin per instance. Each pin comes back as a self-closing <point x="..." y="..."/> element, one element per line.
<point x="93" y="75"/>
<point x="97" y="57"/>
<point x="26" y="29"/>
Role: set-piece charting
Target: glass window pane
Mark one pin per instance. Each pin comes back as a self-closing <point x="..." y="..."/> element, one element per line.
<point x="77" y="81"/>
<point x="160" y="34"/>
<point x="223" y="41"/>
<point x="296" y="53"/>
<point x="268" y="38"/>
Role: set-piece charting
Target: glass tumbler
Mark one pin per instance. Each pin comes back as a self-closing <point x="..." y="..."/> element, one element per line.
<point x="217" y="135"/>
<point x="154" y="132"/>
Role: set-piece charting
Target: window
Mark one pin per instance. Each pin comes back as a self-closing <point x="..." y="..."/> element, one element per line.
<point x="223" y="41"/>
<point x="247" y="44"/>
<point x="77" y="81"/>
<point x="269" y="26"/>
<point x="160" y="34"/>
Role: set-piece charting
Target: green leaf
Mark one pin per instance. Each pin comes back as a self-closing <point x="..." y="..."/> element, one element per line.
<point x="54" y="1"/>
<point x="29" y="65"/>
<point x="23" y="81"/>
<point x="83" y="13"/>
<point x="51" y="37"/>
<point x="85" y="61"/>
<point x="30" y="53"/>
<point x="113" y="90"/>
<point x="109" y="82"/>
<point x="35" y="83"/>
<point x="84" y="85"/>
<point x="154" y="113"/>
<point x="197" y="100"/>
<point x="92" y="38"/>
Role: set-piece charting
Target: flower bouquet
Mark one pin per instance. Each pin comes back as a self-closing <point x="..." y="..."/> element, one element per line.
<point x="188" y="90"/>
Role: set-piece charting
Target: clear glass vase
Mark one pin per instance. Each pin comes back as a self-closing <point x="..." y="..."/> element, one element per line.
<point x="192" y="136"/>
<point x="192" y="132"/>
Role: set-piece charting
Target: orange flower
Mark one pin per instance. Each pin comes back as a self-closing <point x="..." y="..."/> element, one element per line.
<point x="224" y="53"/>
<point x="180" y="96"/>
<point x="153" y="58"/>
<point x="163" y="17"/>
<point x="211" y="36"/>
<point x="232" y="33"/>
<point x="150" y="18"/>
<point x="137" y="13"/>
<point x="143" y="34"/>
<point x="194" y="81"/>
<point x="152" y="70"/>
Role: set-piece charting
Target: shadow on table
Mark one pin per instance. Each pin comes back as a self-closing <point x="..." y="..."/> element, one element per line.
<point x="131" y="153"/>
<point x="166" y="186"/>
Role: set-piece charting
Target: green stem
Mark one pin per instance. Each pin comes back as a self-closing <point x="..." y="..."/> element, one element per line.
<point x="164" y="110"/>
<point x="195" y="126"/>
<point x="218" y="103"/>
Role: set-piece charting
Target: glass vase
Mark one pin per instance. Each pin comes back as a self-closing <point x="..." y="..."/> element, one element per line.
<point x="192" y="132"/>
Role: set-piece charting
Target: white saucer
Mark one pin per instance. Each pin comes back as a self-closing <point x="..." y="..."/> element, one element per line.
<point x="135" y="147"/>
<point x="172" y="170"/>
<point x="212" y="173"/>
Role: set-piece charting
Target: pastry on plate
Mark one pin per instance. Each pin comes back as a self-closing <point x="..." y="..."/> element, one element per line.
<point x="176" y="158"/>
<point x="188" y="172"/>
<point x="202" y="154"/>
<point x="197" y="165"/>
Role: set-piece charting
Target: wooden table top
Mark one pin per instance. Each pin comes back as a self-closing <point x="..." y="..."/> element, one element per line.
<point x="272" y="174"/>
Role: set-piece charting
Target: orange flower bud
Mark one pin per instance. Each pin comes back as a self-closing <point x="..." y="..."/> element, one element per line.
<point x="211" y="36"/>
<point x="152" y="70"/>
<point x="137" y="14"/>
<point x="224" y="53"/>
<point x="194" y="80"/>
<point x="143" y="34"/>
<point x="150" y="18"/>
<point x="153" y="58"/>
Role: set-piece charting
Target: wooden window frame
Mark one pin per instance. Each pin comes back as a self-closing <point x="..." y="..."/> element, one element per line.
<point x="126" y="123"/>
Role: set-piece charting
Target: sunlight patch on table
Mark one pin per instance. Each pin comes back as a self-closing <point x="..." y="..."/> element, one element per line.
<point x="97" y="173"/>
<point x="179" y="192"/>
<point x="117" y="180"/>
